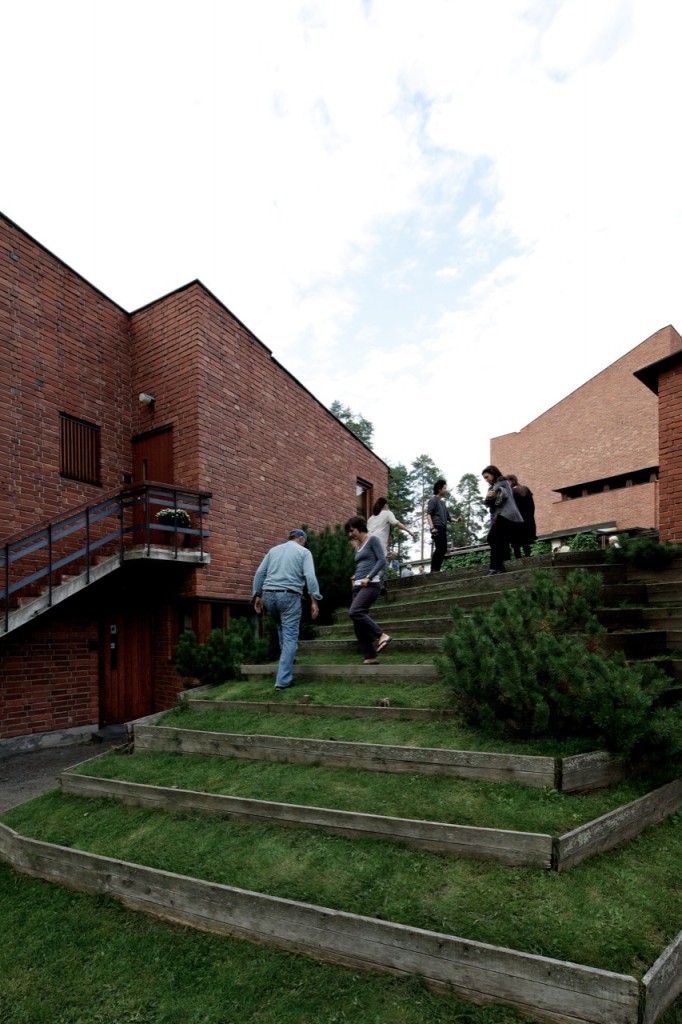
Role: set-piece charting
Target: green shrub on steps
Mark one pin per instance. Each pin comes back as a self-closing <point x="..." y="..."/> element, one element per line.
<point x="223" y="654"/>
<point x="643" y="552"/>
<point x="585" y="542"/>
<point x="533" y="665"/>
<point x="334" y="566"/>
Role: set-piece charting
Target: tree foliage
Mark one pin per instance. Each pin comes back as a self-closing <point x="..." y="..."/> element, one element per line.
<point x="334" y="566"/>
<point x="356" y="422"/>
<point x="400" y="500"/>
<point x="222" y="656"/>
<point x="469" y="512"/>
<point x="422" y="476"/>
<point x="534" y="665"/>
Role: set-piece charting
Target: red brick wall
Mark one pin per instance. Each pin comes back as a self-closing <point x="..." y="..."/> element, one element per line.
<point x="64" y="347"/>
<point x="49" y="677"/>
<point x="607" y="427"/>
<point x="670" y="453"/>
<point x="627" y="506"/>
<point x="245" y="430"/>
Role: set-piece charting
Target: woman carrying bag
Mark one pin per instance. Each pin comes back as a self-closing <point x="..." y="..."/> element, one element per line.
<point x="505" y="518"/>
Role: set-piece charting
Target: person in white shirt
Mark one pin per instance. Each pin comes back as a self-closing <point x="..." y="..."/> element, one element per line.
<point x="381" y="521"/>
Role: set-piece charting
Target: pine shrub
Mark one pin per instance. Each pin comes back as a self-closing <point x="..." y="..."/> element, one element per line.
<point x="534" y="665"/>
<point x="334" y="566"/>
<point x="222" y="656"/>
<point x="643" y="552"/>
<point x="585" y="542"/>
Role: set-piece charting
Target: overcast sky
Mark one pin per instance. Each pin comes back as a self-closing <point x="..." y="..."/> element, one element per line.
<point x="446" y="214"/>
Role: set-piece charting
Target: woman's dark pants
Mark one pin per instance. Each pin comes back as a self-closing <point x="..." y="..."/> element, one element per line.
<point x="366" y="629"/>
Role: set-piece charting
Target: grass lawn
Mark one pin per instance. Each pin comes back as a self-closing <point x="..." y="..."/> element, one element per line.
<point x="632" y="894"/>
<point x="68" y="958"/>
<point x="349" y="692"/>
<point x="437" y="798"/>
<point x="449" y="734"/>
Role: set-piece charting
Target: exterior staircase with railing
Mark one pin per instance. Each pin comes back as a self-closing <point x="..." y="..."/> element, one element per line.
<point x="41" y="567"/>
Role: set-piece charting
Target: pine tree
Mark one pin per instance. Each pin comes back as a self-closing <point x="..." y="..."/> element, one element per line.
<point x="400" y="499"/>
<point x="423" y="475"/>
<point x="356" y="422"/>
<point x="471" y="508"/>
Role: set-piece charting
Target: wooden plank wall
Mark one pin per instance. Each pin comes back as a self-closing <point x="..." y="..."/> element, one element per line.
<point x="617" y="826"/>
<point x="662" y="983"/>
<point x="499" y="845"/>
<point x="584" y="772"/>
<point x="524" y="769"/>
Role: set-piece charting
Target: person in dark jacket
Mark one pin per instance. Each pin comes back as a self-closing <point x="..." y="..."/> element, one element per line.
<point x="504" y="518"/>
<point x="527" y="533"/>
<point x="438" y="516"/>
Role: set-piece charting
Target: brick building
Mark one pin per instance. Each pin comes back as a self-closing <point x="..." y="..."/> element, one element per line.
<point x="99" y="406"/>
<point x="592" y="460"/>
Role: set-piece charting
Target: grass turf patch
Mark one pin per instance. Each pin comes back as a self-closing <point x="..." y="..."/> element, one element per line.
<point x="450" y="734"/>
<point x="429" y="798"/>
<point x="342" y="692"/>
<point x="68" y="958"/>
<point x="632" y="894"/>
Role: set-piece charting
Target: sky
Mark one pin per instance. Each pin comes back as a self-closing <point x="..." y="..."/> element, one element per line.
<point x="446" y="215"/>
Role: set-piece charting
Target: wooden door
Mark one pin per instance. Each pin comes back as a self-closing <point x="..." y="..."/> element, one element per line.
<point x="126" y="691"/>
<point x="152" y="462"/>
<point x="153" y="457"/>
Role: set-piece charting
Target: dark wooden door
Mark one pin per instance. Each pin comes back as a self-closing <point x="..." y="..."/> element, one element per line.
<point x="153" y="457"/>
<point x="126" y="681"/>
<point x="152" y="462"/>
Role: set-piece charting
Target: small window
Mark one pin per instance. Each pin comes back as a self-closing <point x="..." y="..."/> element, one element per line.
<point x="79" y="450"/>
<point x="363" y="496"/>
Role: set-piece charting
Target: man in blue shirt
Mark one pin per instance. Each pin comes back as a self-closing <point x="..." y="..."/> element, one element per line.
<point x="278" y="586"/>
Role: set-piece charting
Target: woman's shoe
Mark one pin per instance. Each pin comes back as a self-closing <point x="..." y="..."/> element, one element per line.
<point x="384" y="640"/>
<point x="370" y="661"/>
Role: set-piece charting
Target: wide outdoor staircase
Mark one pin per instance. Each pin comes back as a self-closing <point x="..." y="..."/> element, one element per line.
<point x="641" y="609"/>
<point x="355" y="820"/>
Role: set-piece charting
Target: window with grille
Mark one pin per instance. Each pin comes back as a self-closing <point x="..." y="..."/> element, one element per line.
<point x="80" y="450"/>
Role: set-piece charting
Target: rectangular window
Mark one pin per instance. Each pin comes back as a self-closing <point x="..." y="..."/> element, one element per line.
<point x="363" y="498"/>
<point x="79" y="450"/>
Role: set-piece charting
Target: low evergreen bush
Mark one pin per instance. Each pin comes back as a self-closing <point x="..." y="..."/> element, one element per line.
<point x="643" y="552"/>
<point x="585" y="542"/>
<point x="223" y="654"/>
<point x="334" y="566"/>
<point x="467" y="560"/>
<point x="533" y="665"/>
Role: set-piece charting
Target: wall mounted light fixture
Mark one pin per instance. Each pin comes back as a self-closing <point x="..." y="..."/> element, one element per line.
<point x="146" y="399"/>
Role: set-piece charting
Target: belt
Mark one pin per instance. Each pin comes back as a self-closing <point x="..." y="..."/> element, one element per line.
<point x="282" y="590"/>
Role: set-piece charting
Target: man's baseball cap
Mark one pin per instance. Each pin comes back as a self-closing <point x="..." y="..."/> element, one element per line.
<point x="298" y="533"/>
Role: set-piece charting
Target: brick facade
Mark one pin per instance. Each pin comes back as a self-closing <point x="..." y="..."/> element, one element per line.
<point x="242" y="428"/>
<point x="664" y="379"/>
<point x="49" y="676"/>
<point x="64" y="348"/>
<point x="246" y="431"/>
<point x="606" y="428"/>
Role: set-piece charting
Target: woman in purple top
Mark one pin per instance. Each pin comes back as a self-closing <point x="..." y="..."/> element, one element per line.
<point x="370" y="559"/>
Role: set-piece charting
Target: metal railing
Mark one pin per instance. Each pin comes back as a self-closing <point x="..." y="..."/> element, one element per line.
<point x="113" y="524"/>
